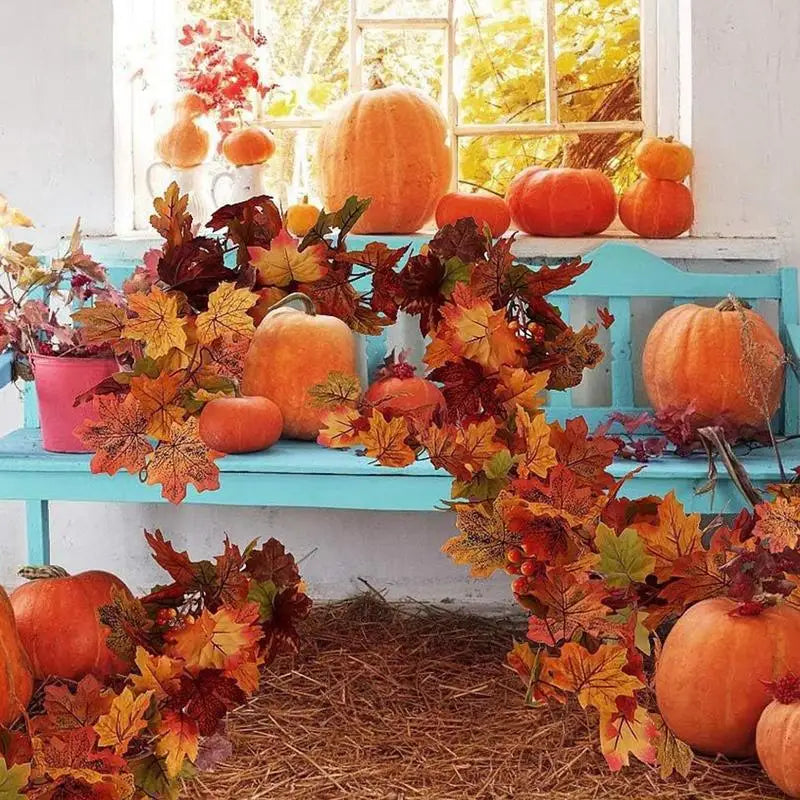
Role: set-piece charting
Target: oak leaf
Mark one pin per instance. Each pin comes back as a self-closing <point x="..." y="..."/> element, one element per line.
<point x="172" y="220"/>
<point x="546" y="279"/>
<point x="179" y="739"/>
<point x="627" y="734"/>
<point x="623" y="559"/>
<point x="156" y="323"/>
<point x="284" y="263"/>
<point x="385" y="440"/>
<point x="125" y="720"/>
<point x="227" y="314"/>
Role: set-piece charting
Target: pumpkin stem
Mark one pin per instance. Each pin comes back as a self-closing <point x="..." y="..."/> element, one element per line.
<point x="40" y="573"/>
<point x="669" y="139"/>
<point x="731" y="303"/>
<point x="308" y="304"/>
<point x="375" y="81"/>
<point x="305" y="199"/>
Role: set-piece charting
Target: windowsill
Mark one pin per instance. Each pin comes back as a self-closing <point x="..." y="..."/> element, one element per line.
<point x="704" y="248"/>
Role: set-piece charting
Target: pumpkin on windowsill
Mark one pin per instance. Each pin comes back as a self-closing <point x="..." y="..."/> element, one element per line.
<point x="485" y="209"/>
<point x="16" y="676"/>
<point x="664" y="159"/>
<point x="248" y="146"/>
<point x="657" y="209"/>
<point x="185" y="144"/>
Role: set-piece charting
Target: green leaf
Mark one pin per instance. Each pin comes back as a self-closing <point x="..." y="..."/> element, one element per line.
<point x="455" y="271"/>
<point x="623" y="559"/>
<point x="499" y="465"/>
<point x="641" y="633"/>
<point x="13" y="780"/>
<point x="344" y="219"/>
<point x="489" y="482"/>
<point x="150" y="776"/>
<point x="263" y="594"/>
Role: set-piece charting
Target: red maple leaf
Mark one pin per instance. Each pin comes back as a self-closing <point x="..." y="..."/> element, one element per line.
<point x="206" y="698"/>
<point x="585" y="456"/>
<point x="280" y="633"/>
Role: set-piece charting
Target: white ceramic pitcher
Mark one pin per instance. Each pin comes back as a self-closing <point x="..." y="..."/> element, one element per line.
<point x="193" y="181"/>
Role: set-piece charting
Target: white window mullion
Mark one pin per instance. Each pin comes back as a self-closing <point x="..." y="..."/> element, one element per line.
<point x="449" y="99"/>
<point x="550" y="71"/>
<point x="356" y="72"/>
<point x="648" y="65"/>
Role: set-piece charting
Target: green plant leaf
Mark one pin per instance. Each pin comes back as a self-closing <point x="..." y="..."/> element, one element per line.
<point x="13" y="780"/>
<point x="623" y="559"/>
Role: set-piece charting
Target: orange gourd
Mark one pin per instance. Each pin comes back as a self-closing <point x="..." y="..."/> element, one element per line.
<point x="712" y="670"/>
<point x="399" y="391"/>
<point x="301" y="217"/>
<point x="388" y="144"/>
<point x="656" y="209"/>
<point x="292" y="351"/>
<point x="248" y="145"/>
<point x="240" y="424"/>
<point x="724" y="362"/>
<point x="778" y="736"/>
<point x="184" y="145"/>
<point x="664" y="159"/>
<point x="58" y="622"/>
<point x="485" y="209"/>
<point x="16" y="678"/>
<point x="189" y="106"/>
<point x="561" y="202"/>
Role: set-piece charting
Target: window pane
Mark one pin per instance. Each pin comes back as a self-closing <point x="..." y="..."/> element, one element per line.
<point x="191" y="10"/>
<point x="597" y="59"/>
<point x="402" y="8"/>
<point x="411" y="58"/>
<point x="611" y="153"/>
<point x="499" y="68"/>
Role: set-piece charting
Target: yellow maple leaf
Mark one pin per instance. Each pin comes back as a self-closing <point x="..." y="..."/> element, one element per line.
<point x="539" y="455"/>
<point x="673" y="754"/>
<point x="101" y="323"/>
<point x="483" y="539"/>
<point x="227" y="314"/>
<point x="158" y="674"/>
<point x="518" y="387"/>
<point x="157" y="323"/>
<point x="476" y="444"/>
<point x="622" y="737"/>
<point x="778" y="523"/>
<point x="596" y="678"/>
<point x="179" y="739"/>
<point x="159" y="400"/>
<point x="284" y="263"/>
<point x="385" y="441"/>
<point x="337" y="427"/>
<point x="125" y="719"/>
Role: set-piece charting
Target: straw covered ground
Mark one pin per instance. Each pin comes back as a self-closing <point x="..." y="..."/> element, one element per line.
<point x="402" y="702"/>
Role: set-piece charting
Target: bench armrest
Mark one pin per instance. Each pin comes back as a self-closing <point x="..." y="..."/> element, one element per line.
<point x="793" y="342"/>
<point x="6" y="368"/>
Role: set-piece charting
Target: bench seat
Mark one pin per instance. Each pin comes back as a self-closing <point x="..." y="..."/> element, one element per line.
<point x="305" y="475"/>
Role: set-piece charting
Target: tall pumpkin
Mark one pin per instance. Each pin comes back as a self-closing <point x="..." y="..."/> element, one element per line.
<point x="710" y="678"/>
<point x="292" y="351"/>
<point x="778" y="735"/>
<point x="59" y="626"/>
<point x="16" y="678"/>
<point x="388" y="144"/>
<point x="724" y="361"/>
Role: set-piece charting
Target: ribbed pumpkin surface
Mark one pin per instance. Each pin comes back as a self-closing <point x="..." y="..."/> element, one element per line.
<point x="778" y="745"/>
<point x="16" y="680"/>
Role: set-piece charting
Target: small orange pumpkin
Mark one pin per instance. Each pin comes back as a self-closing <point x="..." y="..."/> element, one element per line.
<point x="248" y="145"/>
<point x="656" y="209"/>
<point x="698" y="357"/>
<point x="712" y="670"/>
<point x="184" y="145"/>
<point x="561" y="202"/>
<point x="485" y="209"/>
<point x="240" y="424"/>
<point x="16" y="677"/>
<point x="292" y="351"/>
<point x="664" y="159"/>
<point x="301" y="217"/>
<point x="58" y="622"/>
<point x="399" y="391"/>
<point x="388" y="144"/>
<point x="778" y="736"/>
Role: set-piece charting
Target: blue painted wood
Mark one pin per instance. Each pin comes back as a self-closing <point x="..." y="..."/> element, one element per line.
<point x="789" y="319"/>
<point x="621" y="364"/>
<point x="37" y="513"/>
<point x="6" y="368"/>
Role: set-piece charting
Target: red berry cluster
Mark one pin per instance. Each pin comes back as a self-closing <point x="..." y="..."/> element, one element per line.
<point x="170" y="618"/>
<point x="520" y="561"/>
<point x="786" y="689"/>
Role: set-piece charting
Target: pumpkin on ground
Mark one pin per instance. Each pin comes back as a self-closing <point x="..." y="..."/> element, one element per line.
<point x="778" y="736"/>
<point x="388" y="144"/>
<point x="58" y="622"/>
<point x="16" y="677"/>
<point x="710" y="678"/>
<point x="240" y="424"/>
<point x="656" y="209"/>
<point x="561" y="202"/>
<point x="184" y="145"/>
<point x="664" y="159"/>
<point x="248" y="145"/>
<point x="722" y="362"/>
<point x="301" y="217"/>
<point x="399" y="391"/>
<point x="292" y="351"/>
<point x="485" y="209"/>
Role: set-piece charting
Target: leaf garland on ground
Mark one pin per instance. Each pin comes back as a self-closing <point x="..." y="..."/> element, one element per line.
<point x="199" y="645"/>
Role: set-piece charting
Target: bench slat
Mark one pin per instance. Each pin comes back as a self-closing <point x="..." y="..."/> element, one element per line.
<point x="621" y="364"/>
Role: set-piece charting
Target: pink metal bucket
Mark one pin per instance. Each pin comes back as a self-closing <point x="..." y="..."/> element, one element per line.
<point x="59" y="380"/>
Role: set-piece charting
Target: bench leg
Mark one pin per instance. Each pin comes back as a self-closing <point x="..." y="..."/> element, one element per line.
<point x="38" y="525"/>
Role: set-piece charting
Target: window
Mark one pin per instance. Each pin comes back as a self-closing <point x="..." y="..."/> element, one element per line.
<point x="520" y="82"/>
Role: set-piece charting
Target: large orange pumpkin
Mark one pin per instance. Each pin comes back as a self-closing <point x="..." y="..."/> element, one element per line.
<point x="485" y="209"/>
<point x="240" y="424"/>
<point x="248" y="145"/>
<point x="59" y="625"/>
<point x="657" y="209"/>
<point x="778" y="737"/>
<point x="665" y="159"/>
<point x="292" y="351"/>
<point x="184" y="145"/>
<point x="389" y="145"/>
<point x="712" y="670"/>
<point x="561" y="202"/>
<point x="724" y="362"/>
<point x="16" y="678"/>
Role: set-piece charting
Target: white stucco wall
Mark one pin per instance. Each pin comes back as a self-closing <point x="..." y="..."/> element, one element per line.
<point x="56" y="161"/>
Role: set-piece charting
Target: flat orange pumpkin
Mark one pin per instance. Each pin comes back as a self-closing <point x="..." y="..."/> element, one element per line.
<point x="292" y="351"/>
<point x="240" y="424"/>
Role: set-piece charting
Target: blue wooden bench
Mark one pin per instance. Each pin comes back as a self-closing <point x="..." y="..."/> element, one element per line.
<point x="296" y="474"/>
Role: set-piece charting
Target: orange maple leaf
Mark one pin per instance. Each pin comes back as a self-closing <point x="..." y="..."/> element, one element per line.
<point x="284" y="263"/>
<point x="778" y="523"/>
<point x="339" y="427"/>
<point x="227" y="314"/>
<point x="124" y="720"/>
<point x="538" y="454"/>
<point x="584" y="455"/>
<point x="183" y="459"/>
<point x="596" y="678"/>
<point x="178" y="739"/>
<point x="627" y="734"/>
<point x="157" y="323"/>
<point x="101" y="323"/>
<point x="84" y="706"/>
<point x="476" y="444"/>
<point x="443" y="450"/>
<point x="159" y="399"/>
<point x="385" y="441"/>
<point x="119" y="437"/>
<point x="157" y="674"/>
<point x="518" y="387"/>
